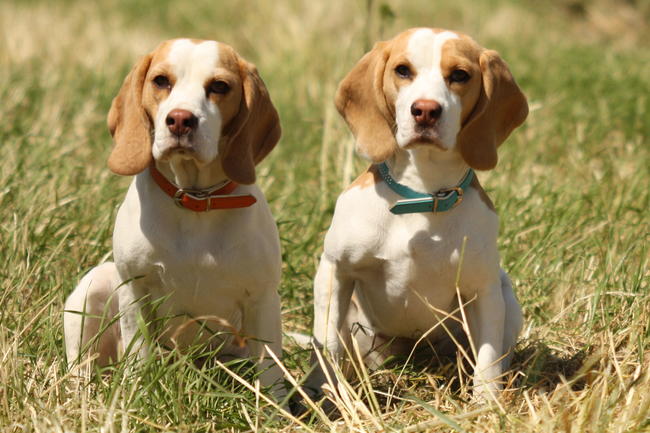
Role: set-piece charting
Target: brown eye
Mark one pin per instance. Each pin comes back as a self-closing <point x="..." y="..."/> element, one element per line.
<point x="219" y="87"/>
<point x="459" y="76"/>
<point x="403" y="71"/>
<point x="162" y="82"/>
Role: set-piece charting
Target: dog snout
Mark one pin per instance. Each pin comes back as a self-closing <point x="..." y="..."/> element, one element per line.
<point x="426" y="112"/>
<point x="181" y="122"/>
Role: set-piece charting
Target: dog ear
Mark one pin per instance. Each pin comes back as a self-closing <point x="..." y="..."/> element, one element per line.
<point x="129" y="124"/>
<point x="501" y="108"/>
<point x="253" y="132"/>
<point x="360" y="100"/>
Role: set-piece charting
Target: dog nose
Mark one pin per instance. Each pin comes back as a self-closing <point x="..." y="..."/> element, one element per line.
<point x="426" y="112"/>
<point x="181" y="122"/>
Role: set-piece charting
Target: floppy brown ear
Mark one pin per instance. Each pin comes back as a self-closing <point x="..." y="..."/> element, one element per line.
<point x="129" y="124"/>
<point x="500" y="109"/>
<point x="360" y="100"/>
<point x="254" y="131"/>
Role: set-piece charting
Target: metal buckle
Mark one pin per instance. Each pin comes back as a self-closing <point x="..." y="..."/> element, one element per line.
<point x="196" y="195"/>
<point x="178" y="196"/>
<point x="444" y="194"/>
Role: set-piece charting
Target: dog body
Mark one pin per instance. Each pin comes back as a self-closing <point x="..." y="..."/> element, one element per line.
<point x="195" y="117"/>
<point x="219" y="265"/>
<point x="430" y="105"/>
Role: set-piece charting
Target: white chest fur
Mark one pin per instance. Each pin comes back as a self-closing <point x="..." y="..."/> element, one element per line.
<point x="196" y="264"/>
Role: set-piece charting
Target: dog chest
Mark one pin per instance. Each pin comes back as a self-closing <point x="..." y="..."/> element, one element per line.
<point x="199" y="264"/>
<point x="405" y="266"/>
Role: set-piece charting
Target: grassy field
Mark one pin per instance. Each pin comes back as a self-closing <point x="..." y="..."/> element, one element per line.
<point x="572" y="189"/>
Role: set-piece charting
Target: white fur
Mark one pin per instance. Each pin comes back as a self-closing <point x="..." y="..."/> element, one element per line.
<point x="222" y="266"/>
<point x="403" y="268"/>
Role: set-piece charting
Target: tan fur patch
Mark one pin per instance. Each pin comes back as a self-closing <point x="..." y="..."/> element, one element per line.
<point x="463" y="54"/>
<point x="500" y="108"/>
<point x="160" y="53"/>
<point x="368" y="178"/>
<point x="152" y="96"/>
<point x="397" y="56"/>
<point x="228" y="70"/>
<point x="253" y="129"/>
<point x="366" y="98"/>
<point x="482" y="194"/>
<point x="129" y="124"/>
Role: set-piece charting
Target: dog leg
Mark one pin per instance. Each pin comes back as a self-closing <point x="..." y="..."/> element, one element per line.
<point x="332" y="294"/>
<point x="262" y="322"/>
<point x="90" y="318"/>
<point x="487" y="328"/>
<point x="132" y="309"/>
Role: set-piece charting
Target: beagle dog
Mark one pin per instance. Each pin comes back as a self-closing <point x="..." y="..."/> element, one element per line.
<point x="412" y="246"/>
<point x="196" y="250"/>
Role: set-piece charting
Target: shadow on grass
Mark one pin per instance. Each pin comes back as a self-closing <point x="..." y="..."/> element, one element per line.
<point x="535" y="367"/>
<point x="544" y="369"/>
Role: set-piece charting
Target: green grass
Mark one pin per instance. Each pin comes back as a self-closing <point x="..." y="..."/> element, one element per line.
<point x="572" y="190"/>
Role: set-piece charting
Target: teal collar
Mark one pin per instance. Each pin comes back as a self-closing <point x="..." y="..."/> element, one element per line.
<point x="440" y="201"/>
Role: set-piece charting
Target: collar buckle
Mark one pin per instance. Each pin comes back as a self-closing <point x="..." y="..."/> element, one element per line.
<point x="191" y="193"/>
<point x="445" y="194"/>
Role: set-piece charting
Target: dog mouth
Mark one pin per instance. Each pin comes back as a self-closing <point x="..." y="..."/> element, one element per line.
<point x="180" y="148"/>
<point x="426" y="137"/>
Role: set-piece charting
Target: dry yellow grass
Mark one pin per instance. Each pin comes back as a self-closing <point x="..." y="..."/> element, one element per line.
<point x="571" y="189"/>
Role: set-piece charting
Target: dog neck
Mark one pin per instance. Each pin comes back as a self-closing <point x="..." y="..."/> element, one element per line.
<point x="189" y="174"/>
<point x="427" y="169"/>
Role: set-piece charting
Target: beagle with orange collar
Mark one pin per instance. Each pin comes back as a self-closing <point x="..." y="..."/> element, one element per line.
<point x="196" y="250"/>
<point x="415" y="236"/>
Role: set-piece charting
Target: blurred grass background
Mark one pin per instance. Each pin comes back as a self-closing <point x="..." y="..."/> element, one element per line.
<point x="571" y="189"/>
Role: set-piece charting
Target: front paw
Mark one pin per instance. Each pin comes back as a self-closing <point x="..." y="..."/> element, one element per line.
<point x="486" y="391"/>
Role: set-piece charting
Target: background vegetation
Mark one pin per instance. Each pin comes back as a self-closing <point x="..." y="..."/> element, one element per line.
<point x="572" y="189"/>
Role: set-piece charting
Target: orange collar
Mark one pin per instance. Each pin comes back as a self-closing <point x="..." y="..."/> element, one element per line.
<point x="202" y="200"/>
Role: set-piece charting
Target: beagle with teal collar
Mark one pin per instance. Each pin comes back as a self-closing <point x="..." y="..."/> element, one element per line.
<point x="415" y="236"/>
<point x="196" y="250"/>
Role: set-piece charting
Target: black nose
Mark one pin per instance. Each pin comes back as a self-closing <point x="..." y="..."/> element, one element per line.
<point x="181" y="122"/>
<point x="426" y="112"/>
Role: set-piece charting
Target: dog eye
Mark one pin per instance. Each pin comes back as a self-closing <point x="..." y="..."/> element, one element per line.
<point x="162" y="82"/>
<point x="459" y="76"/>
<point x="218" y="87"/>
<point x="403" y="71"/>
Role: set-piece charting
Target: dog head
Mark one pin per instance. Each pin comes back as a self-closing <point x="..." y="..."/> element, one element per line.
<point x="429" y="87"/>
<point x="196" y="100"/>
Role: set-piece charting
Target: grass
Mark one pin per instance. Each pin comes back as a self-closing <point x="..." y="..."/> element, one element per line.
<point x="572" y="190"/>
